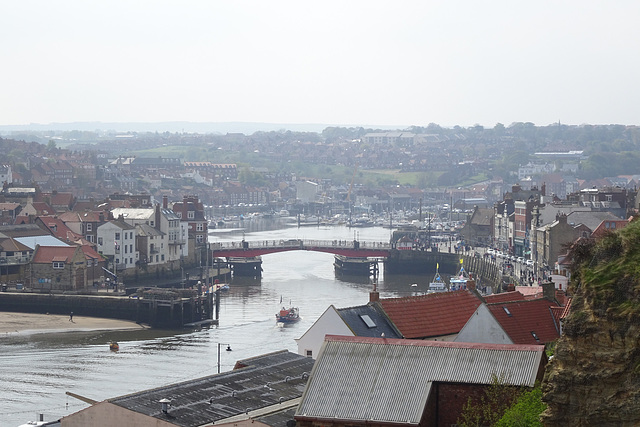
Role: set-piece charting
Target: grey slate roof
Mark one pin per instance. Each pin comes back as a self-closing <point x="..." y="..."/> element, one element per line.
<point x="263" y="381"/>
<point x="590" y="219"/>
<point x="147" y="230"/>
<point x="352" y="316"/>
<point x="382" y="380"/>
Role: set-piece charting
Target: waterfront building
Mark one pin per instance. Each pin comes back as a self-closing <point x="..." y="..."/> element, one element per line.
<point x="378" y="382"/>
<point x="116" y="241"/>
<point x="260" y="391"/>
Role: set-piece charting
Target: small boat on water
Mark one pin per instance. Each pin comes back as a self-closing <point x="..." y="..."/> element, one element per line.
<point x="288" y="315"/>
<point x="114" y="346"/>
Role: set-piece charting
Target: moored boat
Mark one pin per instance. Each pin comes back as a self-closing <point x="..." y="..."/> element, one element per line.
<point x="114" y="346"/>
<point x="459" y="281"/>
<point x="288" y="315"/>
<point x="437" y="284"/>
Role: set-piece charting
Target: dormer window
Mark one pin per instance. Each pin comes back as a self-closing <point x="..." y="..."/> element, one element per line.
<point x="191" y="214"/>
<point x="58" y="265"/>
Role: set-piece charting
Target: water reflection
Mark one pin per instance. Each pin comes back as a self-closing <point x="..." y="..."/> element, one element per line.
<point x="45" y="366"/>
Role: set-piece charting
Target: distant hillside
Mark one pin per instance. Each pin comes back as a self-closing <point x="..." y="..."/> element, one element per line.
<point x="246" y="128"/>
<point x="594" y="377"/>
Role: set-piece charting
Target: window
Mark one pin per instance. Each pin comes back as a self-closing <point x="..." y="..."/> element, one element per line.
<point x="89" y="226"/>
<point x="131" y="235"/>
<point x="368" y="321"/>
<point x="126" y="249"/>
<point x="191" y="214"/>
<point x="162" y="257"/>
<point x="199" y="227"/>
<point x="117" y="236"/>
<point x="100" y="241"/>
<point x="309" y="353"/>
<point x="58" y="265"/>
<point x="131" y="248"/>
<point x="179" y="214"/>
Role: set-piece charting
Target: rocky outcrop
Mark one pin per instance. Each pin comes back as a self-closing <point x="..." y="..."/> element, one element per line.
<point x="593" y="378"/>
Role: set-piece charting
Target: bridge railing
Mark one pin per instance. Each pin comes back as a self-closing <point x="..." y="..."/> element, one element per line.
<point x="296" y="243"/>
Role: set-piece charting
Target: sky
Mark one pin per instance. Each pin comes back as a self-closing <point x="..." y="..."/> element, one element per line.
<point x="387" y="63"/>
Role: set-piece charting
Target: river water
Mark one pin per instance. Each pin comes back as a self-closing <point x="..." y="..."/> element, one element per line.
<point x="36" y="370"/>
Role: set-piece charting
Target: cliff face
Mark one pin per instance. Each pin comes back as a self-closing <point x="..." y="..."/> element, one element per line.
<point x="594" y="376"/>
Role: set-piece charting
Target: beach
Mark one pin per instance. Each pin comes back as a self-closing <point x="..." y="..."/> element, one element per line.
<point x="23" y="323"/>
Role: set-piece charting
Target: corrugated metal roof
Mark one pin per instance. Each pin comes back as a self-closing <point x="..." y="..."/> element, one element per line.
<point x="262" y="382"/>
<point x="388" y="380"/>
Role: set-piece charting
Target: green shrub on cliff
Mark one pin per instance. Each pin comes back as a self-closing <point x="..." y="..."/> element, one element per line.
<point x="525" y="412"/>
<point x="607" y="273"/>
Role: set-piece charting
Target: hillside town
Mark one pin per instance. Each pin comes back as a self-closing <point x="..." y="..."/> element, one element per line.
<point x="91" y="222"/>
<point x="130" y="217"/>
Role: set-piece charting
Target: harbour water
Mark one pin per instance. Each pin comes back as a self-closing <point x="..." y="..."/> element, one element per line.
<point x="37" y="370"/>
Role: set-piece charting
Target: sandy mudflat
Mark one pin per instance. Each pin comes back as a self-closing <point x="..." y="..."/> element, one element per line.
<point x="32" y="323"/>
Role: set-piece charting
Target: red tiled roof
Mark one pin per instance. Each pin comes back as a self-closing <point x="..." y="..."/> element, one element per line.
<point x="46" y="254"/>
<point x="59" y="229"/>
<point x="525" y="318"/>
<point x="43" y="208"/>
<point x="73" y="216"/>
<point x="504" y="297"/>
<point x="431" y="315"/>
<point x="90" y="253"/>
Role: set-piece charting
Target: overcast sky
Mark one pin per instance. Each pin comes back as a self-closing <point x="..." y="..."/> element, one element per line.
<point x="333" y="62"/>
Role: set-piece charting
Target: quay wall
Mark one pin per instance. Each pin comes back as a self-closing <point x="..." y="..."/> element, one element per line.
<point x="426" y="262"/>
<point x="160" y="314"/>
<point x="81" y="305"/>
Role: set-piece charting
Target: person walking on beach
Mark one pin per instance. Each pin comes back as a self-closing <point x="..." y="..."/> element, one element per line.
<point x="71" y="317"/>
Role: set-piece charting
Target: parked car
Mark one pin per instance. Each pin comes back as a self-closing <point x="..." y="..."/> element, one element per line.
<point x="529" y="262"/>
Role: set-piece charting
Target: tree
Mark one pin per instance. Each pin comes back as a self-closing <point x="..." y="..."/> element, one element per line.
<point x="490" y="407"/>
<point x="526" y="410"/>
<point x="51" y="145"/>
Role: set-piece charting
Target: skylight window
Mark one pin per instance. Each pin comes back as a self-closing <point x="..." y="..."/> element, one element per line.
<point x="506" y="310"/>
<point x="367" y="320"/>
<point x="535" y="336"/>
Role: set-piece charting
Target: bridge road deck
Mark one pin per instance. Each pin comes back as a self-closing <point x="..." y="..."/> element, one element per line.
<point x="350" y="248"/>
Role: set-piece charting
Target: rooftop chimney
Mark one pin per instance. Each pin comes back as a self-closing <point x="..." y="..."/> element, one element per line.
<point x="165" y="202"/>
<point x="374" y="295"/>
<point x="549" y="290"/>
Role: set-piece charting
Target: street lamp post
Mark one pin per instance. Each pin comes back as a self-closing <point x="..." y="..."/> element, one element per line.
<point x="228" y="349"/>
